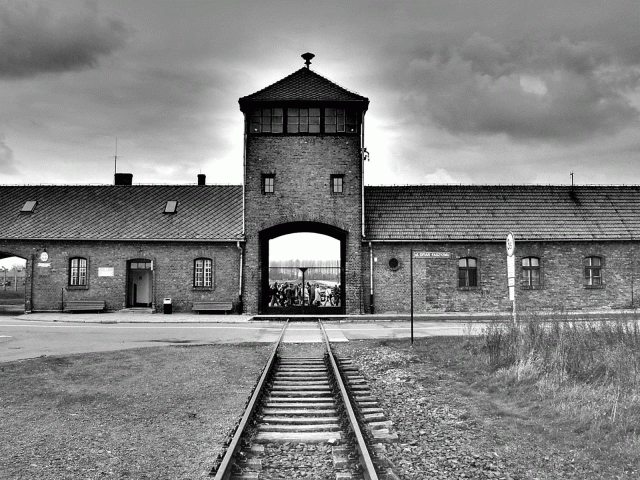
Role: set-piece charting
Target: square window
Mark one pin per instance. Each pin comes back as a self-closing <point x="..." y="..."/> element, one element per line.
<point x="268" y="184"/>
<point x="337" y="184"/>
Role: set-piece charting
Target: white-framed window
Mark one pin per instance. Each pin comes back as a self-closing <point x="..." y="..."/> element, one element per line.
<point x="78" y="271"/>
<point x="593" y="272"/>
<point x="202" y="272"/>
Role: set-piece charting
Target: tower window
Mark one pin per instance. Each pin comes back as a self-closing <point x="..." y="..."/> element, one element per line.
<point x="267" y="120"/>
<point x="268" y="184"/>
<point x="340" y="120"/>
<point x="337" y="184"/>
<point x="303" y="120"/>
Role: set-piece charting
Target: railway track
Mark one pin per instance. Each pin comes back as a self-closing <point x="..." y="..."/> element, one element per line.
<point x="310" y="416"/>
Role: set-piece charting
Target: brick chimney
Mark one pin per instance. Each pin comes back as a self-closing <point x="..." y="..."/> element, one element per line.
<point x="123" y="178"/>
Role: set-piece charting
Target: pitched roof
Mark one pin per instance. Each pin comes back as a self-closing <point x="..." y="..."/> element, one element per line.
<point x="206" y="212"/>
<point x="304" y="85"/>
<point x="488" y="213"/>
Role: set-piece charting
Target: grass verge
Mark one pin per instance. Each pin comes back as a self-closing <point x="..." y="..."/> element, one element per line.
<point x="159" y="413"/>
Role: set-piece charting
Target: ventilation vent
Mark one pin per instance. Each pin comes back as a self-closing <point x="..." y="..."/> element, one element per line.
<point x="29" y="206"/>
<point x="171" y="206"/>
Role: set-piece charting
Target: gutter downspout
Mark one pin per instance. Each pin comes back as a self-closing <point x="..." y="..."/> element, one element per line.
<point x="33" y="260"/>
<point x="244" y="172"/>
<point x="240" y="307"/>
<point x="362" y="170"/>
<point x="371" y="278"/>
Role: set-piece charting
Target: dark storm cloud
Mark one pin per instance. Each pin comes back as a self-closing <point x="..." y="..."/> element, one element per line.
<point x="553" y="89"/>
<point x="32" y="41"/>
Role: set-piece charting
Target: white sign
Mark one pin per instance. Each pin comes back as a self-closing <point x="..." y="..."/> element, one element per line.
<point x="431" y="254"/>
<point x="105" y="271"/>
<point x="512" y="293"/>
<point x="511" y="282"/>
<point x="511" y="266"/>
<point x="44" y="265"/>
<point x="511" y="244"/>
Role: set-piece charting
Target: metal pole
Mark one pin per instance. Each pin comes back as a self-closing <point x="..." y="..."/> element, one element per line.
<point x="411" y="275"/>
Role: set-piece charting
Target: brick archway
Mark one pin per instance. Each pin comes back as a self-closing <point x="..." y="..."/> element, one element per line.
<point x="301" y="227"/>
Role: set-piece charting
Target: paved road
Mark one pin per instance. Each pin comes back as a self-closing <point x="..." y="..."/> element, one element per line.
<point x="20" y="339"/>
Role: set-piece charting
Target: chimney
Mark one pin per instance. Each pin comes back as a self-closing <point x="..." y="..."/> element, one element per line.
<point x="123" y="178"/>
<point x="202" y="179"/>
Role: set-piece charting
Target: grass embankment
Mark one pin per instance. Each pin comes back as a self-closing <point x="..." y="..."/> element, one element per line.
<point x="590" y="369"/>
<point x="581" y="375"/>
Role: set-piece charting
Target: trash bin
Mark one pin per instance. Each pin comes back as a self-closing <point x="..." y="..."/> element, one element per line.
<point x="167" y="305"/>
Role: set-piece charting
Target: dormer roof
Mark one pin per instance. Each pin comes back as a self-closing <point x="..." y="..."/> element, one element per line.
<point x="304" y="85"/>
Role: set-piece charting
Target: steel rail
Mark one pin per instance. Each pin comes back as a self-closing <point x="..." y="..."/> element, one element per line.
<point x="369" y="470"/>
<point x="224" y="469"/>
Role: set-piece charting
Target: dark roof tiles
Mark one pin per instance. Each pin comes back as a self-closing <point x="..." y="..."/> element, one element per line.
<point x="206" y="212"/>
<point x="488" y="213"/>
<point x="303" y="85"/>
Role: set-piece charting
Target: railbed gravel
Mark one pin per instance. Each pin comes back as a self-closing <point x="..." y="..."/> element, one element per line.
<point x="436" y="437"/>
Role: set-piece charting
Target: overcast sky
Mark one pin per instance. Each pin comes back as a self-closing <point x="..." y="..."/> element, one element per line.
<point x="472" y="92"/>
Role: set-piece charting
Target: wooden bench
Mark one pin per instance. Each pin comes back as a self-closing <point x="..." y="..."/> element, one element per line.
<point x="212" y="307"/>
<point x="84" y="305"/>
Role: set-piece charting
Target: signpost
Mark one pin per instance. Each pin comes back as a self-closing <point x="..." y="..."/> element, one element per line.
<point x="424" y="256"/>
<point x="511" y="271"/>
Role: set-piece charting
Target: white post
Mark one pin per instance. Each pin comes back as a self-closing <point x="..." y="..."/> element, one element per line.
<point x="511" y="272"/>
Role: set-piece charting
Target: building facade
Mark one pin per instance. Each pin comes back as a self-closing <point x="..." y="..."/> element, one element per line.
<point x="133" y="246"/>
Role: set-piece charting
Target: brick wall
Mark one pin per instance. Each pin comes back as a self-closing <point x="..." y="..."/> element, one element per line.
<point x="302" y="166"/>
<point x="436" y="280"/>
<point x="173" y="265"/>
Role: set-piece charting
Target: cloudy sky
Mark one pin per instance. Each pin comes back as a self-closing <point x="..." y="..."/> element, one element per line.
<point x="461" y="91"/>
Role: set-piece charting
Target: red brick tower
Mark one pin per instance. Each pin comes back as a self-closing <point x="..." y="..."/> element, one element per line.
<point x="303" y="172"/>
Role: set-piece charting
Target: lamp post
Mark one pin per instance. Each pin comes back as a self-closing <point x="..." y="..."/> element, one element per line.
<point x="304" y="287"/>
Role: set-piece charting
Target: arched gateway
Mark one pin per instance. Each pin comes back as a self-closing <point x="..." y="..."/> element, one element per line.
<point x="304" y="285"/>
<point x="303" y="173"/>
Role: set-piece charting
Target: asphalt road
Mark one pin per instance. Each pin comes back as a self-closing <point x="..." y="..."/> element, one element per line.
<point x="21" y="339"/>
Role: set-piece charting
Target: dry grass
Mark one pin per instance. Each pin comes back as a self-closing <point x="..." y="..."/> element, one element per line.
<point x="160" y="413"/>
<point x="585" y="373"/>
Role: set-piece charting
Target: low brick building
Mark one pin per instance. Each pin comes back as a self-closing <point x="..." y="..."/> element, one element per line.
<point x="133" y="246"/>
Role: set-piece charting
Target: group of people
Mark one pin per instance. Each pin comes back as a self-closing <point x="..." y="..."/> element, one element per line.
<point x="289" y="294"/>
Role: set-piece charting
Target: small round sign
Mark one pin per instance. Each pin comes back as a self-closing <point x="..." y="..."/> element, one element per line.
<point x="44" y="256"/>
<point x="511" y="244"/>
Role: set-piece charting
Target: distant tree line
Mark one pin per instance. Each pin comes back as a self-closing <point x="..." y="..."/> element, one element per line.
<point x="289" y="270"/>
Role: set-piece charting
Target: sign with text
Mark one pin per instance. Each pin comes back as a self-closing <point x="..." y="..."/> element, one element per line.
<point x="105" y="271"/>
<point x="431" y="254"/>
